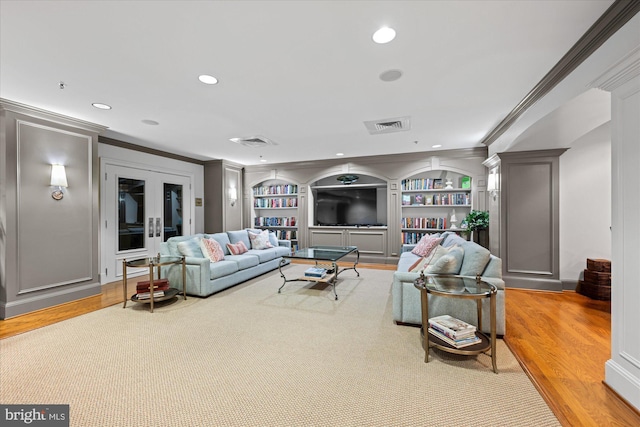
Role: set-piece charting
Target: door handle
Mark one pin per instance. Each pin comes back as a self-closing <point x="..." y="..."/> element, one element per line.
<point x="150" y="227"/>
<point x="158" y="227"/>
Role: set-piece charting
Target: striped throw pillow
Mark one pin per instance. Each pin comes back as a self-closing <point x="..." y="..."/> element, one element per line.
<point x="237" y="248"/>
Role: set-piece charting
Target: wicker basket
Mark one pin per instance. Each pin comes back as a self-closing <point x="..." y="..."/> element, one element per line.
<point x="597" y="264"/>
<point x="597" y="278"/>
<point x="598" y="292"/>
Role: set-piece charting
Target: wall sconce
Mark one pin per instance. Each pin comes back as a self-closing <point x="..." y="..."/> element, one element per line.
<point x="492" y="184"/>
<point x="58" y="179"/>
<point x="233" y="195"/>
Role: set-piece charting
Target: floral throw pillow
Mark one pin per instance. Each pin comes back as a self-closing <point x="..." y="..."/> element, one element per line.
<point x="237" y="248"/>
<point x="212" y="250"/>
<point x="426" y="245"/>
<point x="260" y="241"/>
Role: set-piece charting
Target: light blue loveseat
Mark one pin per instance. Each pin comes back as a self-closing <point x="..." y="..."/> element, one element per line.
<point x="477" y="260"/>
<point x="205" y="277"/>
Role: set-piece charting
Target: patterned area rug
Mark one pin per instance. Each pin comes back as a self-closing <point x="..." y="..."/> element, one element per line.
<point x="249" y="356"/>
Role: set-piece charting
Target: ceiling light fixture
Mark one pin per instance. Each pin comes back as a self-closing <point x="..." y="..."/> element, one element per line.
<point x="390" y="75"/>
<point x="436" y="146"/>
<point x="384" y="35"/>
<point x="150" y="122"/>
<point x="101" y="106"/>
<point x="339" y="154"/>
<point x="348" y="179"/>
<point x="207" y="79"/>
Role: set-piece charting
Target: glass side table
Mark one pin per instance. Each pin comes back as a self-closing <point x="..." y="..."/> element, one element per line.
<point x="153" y="263"/>
<point x="462" y="287"/>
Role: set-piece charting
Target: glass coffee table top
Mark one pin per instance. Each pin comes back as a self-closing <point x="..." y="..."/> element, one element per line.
<point x="323" y="253"/>
<point x="330" y="255"/>
<point x="459" y="285"/>
<point x="146" y="262"/>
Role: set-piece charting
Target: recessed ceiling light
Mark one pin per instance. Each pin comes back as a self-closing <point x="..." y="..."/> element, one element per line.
<point x="339" y="154"/>
<point x="390" y="75"/>
<point x="206" y="79"/>
<point x="436" y="146"/>
<point x="384" y="35"/>
<point x="263" y="160"/>
<point x="101" y="106"/>
<point x="150" y="122"/>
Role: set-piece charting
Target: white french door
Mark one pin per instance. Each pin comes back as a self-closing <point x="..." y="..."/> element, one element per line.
<point x="142" y="208"/>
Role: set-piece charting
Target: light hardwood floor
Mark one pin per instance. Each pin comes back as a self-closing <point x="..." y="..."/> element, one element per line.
<point x="562" y="340"/>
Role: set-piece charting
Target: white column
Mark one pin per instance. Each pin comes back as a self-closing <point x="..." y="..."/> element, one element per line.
<point x="622" y="371"/>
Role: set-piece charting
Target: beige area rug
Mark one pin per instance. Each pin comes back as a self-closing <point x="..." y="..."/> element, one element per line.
<point x="249" y="356"/>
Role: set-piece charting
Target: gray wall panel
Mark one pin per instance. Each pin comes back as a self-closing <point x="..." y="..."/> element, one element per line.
<point x="50" y="252"/>
<point x="529" y="195"/>
<point x="53" y="231"/>
<point x="529" y="222"/>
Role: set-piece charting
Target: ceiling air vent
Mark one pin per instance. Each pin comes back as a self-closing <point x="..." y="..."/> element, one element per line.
<point x="253" y="141"/>
<point x="396" y="124"/>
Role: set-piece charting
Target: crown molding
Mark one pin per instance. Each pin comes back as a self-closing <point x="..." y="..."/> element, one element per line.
<point x="530" y="154"/>
<point x="143" y="149"/>
<point x="492" y="161"/>
<point x="39" y="113"/>
<point x="619" y="73"/>
<point x="614" y="18"/>
<point x="463" y="153"/>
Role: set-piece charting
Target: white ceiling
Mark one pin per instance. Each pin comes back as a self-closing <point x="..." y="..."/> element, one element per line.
<point x="304" y="74"/>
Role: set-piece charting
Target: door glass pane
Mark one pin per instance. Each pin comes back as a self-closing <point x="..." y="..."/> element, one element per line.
<point x="130" y="214"/>
<point x="172" y="210"/>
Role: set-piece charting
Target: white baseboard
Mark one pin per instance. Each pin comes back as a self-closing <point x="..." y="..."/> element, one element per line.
<point x="623" y="382"/>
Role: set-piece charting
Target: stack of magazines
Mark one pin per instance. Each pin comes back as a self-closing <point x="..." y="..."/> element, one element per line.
<point x="315" y="272"/>
<point x="453" y="331"/>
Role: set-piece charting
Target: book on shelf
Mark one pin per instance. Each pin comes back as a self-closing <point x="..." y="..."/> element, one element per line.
<point x="147" y="295"/>
<point x="459" y="343"/>
<point x="406" y="199"/>
<point x="452" y="327"/>
<point x="465" y="182"/>
<point x="315" y="272"/>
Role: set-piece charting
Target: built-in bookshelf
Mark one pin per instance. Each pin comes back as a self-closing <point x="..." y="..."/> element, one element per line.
<point x="433" y="203"/>
<point x="275" y="207"/>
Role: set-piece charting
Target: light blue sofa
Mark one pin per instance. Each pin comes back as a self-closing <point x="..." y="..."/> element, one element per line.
<point x="406" y="298"/>
<point x="205" y="277"/>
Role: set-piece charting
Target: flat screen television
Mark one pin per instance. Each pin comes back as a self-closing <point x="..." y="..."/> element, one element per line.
<point x="346" y="206"/>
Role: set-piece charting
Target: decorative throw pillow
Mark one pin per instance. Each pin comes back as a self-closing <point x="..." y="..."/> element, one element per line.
<point x="422" y="263"/>
<point x="237" y="248"/>
<point x="475" y="259"/>
<point x="273" y="239"/>
<point x="212" y="250"/>
<point x="191" y="248"/>
<point x="426" y="245"/>
<point x="446" y="260"/>
<point x="260" y="241"/>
